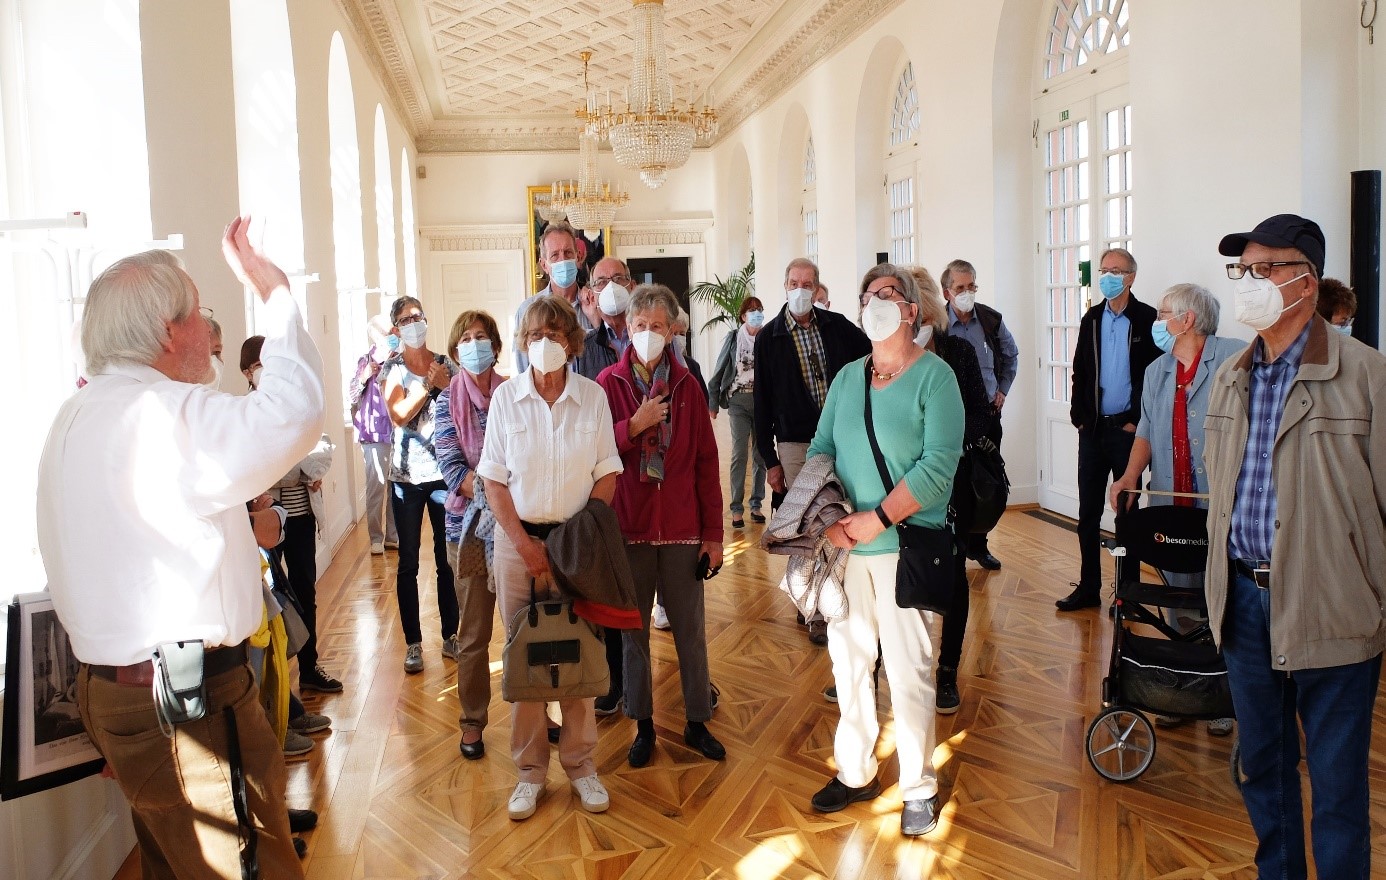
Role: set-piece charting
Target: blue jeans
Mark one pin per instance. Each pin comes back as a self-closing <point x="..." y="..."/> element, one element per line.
<point x="740" y="410"/>
<point x="1335" y="707"/>
<point x="410" y="502"/>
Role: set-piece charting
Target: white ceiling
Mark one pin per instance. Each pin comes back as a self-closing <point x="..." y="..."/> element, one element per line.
<point x="472" y="75"/>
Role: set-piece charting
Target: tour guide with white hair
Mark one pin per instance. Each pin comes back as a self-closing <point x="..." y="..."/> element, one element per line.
<point x="917" y="416"/>
<point x="167" y="465"/>
<point x="1297" y="552"/>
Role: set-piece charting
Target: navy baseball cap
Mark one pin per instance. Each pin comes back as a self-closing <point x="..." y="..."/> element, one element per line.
<point x="1280" y="231"/>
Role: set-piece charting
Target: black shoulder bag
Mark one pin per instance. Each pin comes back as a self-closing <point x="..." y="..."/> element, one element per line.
<point x="924" y="575"/>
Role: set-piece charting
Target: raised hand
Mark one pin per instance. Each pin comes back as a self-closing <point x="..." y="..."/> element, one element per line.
<point x="249" y="262"/>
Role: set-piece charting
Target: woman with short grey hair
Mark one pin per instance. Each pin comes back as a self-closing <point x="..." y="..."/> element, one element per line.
<point x="1174" y="402"/>
<point x="669" y="505"/>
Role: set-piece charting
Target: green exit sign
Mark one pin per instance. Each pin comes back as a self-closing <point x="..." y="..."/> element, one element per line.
<point x="1063" y="115"/>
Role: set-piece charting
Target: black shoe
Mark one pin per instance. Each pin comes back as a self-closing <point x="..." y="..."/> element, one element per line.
<point x="316" y="680"/>
<point x="301" y="847"/>
<point x="554" y="734"/>
<point x="714" y="695"/>
<point x="987" y="561"/>
<point x="697" y="736"/>
<point x="799" y="618"/>
<point x="1080" y="598"/>
<point x="302" y="820"/>
<point x="830" y="693"/>
<point x="608" y="703"/>
<point x="738" y="523"/>
<point x="472" y="751"/>
<point x="818" y="632"/>
<point x="920" y="816"/>
<point x="757" y="516"/>
<point x="641" y="750"/>
<point x="835" y="796"/>
<point x="946" y="698"/>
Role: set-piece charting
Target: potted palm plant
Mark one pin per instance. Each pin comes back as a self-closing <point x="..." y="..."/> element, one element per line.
<point x="725" y="297"/>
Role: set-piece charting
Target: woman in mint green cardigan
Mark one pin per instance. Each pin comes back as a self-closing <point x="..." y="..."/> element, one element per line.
<point x="917" y="414"/>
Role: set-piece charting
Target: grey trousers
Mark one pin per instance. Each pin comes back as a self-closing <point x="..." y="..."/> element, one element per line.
<point x="380" y="514"/>
<point x="670" y="568"/>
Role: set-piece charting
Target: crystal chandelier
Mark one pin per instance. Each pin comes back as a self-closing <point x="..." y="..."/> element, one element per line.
<point x="654" y="134"/>
<point x="589" y="201"/>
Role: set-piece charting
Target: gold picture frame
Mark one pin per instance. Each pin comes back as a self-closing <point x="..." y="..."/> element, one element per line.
<point x="589" y="250"/>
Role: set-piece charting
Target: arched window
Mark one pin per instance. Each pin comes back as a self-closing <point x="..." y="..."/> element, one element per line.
<point x="385" y="208"/>
<point x="408" y="224"/>
<point x="1082" y="29"/>
<point x="348" y="249"/>
<point x="809" y="207"/>
<point x="904" y="116"/>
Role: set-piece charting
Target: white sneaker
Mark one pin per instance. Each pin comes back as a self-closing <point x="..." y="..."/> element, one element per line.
<point x="592" y="792"/>
<point x="659" y="620"/>
<point x="378" y="548"/>
<point x="1220" y="726"/>
<point x="525" y="800"/>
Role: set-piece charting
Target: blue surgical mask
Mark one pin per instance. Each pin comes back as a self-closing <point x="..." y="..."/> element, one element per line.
<point x="1111" y="285"/>
<point x="1345" y="329"/>
<point x="563" y="273"/>
<point x="755" y="318"/>
<point x="476" y="356"/>
<point x="393" y="342"/>
<point x="1160" y="335"/>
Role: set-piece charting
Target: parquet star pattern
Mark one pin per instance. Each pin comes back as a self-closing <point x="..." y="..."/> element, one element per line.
<point x="1020" y="801"/>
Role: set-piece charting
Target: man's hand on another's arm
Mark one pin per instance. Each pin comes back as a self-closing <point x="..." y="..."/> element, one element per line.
<point x="249" y="262"/>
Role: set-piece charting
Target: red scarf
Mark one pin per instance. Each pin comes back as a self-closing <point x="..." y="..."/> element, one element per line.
<point x="1183" y="458"/>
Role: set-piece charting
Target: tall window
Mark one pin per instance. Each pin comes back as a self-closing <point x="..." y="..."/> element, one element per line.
<point x="407" y="225"/>
<point x="1081" y="29"/>
<point x="809" y="207"/>
<point x="901" y="164"/>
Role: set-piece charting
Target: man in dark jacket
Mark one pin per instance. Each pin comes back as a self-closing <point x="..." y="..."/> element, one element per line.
<point x="797" y="355"/>
<point x="1114" y="348"/>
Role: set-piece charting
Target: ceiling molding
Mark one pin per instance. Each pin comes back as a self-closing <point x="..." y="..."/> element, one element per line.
<point x="645" y="233"/>
<point x="476" y="237"/>
<point x="374" y="24"/>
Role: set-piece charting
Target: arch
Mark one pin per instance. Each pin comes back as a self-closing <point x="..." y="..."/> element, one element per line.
<point x="1080" y="30"/>
<point x="879" y="77"/>
<point x="266" y="105"/>
<point x="408" y="224"/>
<point x="344" y="162"/>
<point x="789" y="182"/>
<point x="385" y="235"/>
<point x="738" y="207"/>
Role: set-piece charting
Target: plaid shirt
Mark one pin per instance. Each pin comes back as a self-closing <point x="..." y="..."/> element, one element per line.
<point x="813" y="360"/>
<point x="1253" y="511"/>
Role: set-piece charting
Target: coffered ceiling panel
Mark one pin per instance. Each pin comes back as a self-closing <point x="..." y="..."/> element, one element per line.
<point x="482" y="75"/>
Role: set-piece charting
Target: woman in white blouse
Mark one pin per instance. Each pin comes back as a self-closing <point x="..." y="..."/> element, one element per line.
<point x="549" y="447"/>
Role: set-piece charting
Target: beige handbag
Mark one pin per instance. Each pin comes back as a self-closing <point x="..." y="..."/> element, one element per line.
<point x="552" y="654"/>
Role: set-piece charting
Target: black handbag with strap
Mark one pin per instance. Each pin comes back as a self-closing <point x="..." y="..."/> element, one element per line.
<point x="924" y="576"/>
<point x="988" y="488"/>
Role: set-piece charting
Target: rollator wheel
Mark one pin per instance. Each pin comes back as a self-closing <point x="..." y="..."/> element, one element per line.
<point x="1121" y="744"/>
<point x="1234" y="765"/>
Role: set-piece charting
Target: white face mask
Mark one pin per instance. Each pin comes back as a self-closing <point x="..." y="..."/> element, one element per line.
<point x="926" y="333"/>
<point x="414" y="334"/>
<point x="649" y="345"/>
<point x="213" y="379"/>
<point x="546" y="356"/>
<point x="800" y="301"/>
<point x="880" y="319"/>
<point x="613" y="299"/>
<point x="255" y="377"/>
<point x="1258" y="300"/>
<point x="963" y="302"/>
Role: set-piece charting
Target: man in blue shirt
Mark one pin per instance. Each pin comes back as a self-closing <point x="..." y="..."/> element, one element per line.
<point x="997" y="355"/>
<point x="1114" y="348"/>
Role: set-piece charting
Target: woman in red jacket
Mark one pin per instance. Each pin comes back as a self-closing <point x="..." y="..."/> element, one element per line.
<point x="669" y="504"/>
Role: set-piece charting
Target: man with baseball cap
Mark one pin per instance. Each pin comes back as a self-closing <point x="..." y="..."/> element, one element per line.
<point x="1296" y="579"/>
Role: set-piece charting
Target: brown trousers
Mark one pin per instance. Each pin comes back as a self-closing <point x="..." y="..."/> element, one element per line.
<point x="476" y="606"/>
<point x="179" y="788"/>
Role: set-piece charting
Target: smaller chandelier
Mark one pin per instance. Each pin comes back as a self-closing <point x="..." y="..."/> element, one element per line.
<point x="589" y="202"/>
<point x="653" y="134"/>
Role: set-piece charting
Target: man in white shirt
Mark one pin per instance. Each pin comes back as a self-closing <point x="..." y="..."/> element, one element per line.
<point x="147" y="541"/>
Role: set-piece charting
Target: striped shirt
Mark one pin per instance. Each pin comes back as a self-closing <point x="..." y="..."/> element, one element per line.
<point x="813" y="360"/>
<point x="1254" y="509"/>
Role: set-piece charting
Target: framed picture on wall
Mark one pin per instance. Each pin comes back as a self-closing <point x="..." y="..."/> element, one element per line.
<point x="44" y="743"/>
<point x="592" y="246"/>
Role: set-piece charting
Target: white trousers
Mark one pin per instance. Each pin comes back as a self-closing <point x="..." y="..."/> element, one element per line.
<point x="908" y="640"/>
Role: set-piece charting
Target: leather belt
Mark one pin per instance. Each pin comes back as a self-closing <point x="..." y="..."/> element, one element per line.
<point x="1257" y="570"/>
<point x="215" y="662"/>
<point x="539" y="530"/>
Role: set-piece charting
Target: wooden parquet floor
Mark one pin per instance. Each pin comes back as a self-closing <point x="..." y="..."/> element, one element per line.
<point x="398" y="801"/>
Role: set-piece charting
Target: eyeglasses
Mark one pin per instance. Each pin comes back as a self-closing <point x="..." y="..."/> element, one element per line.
<point x="886" y="292"/>
<point x="206" y="312"/>
<point x="1342" y="325"/>
<point x="409" y="319"/>
<point x="551" y="335"/>
<point x="602" y="281"/>
<point x="971" y="288"/>
<point x="1236" y="271"/>
<point x="1116" y="271"/>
